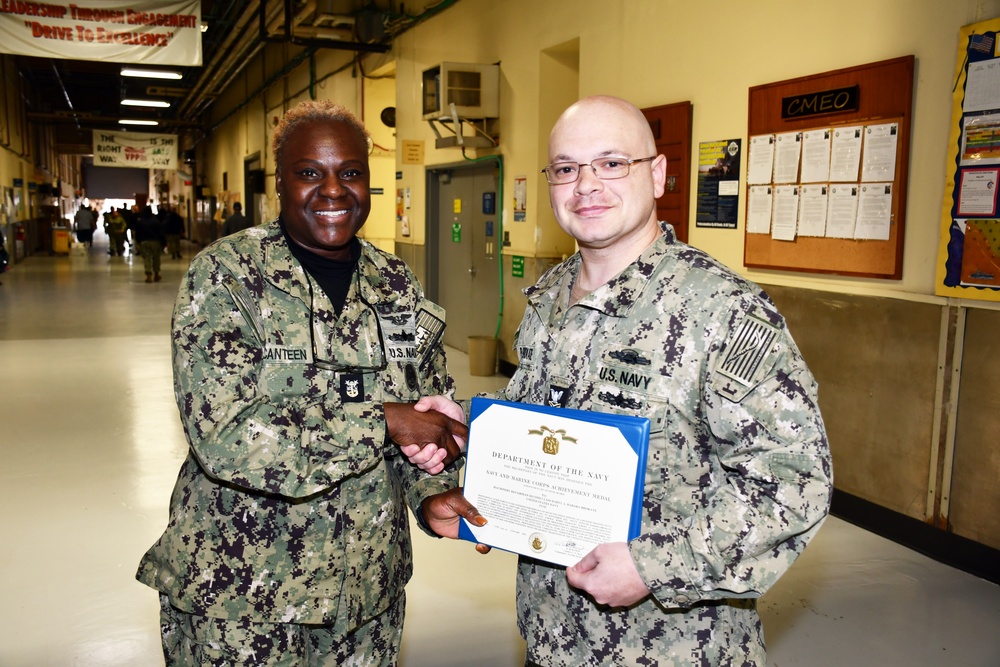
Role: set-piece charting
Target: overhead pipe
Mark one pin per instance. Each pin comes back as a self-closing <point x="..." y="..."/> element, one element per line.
<point x="311" y="46"/>
<point x="65" y="93"/>
<point x="344" y="45"/>
<point x="210" y="73"/>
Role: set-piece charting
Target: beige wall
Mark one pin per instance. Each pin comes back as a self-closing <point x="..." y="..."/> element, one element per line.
<point x="655" y="52"/>
<point x="901" y="437"/>
<point x="27" y="153"/>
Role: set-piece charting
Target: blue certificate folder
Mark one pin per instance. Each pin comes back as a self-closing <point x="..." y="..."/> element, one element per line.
<point x="634" y="431"/>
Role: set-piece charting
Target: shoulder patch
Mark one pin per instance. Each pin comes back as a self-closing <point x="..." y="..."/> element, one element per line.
<point x="430" y="327"/>
<point x="747" y="358"/>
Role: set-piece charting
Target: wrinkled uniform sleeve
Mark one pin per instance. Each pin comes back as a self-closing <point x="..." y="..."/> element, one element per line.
<point x="767" y="490"/>
<point x="291" y="505"/>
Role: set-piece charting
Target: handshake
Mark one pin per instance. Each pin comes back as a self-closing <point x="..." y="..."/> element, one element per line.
<point x="431" y="433"/>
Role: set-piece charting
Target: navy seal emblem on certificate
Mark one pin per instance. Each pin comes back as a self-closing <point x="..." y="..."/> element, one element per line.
<point x="553" y="483"/>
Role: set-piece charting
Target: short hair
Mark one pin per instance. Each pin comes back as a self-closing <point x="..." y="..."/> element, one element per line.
<point x="307" y="112"/>
<point x="237" y="205"/>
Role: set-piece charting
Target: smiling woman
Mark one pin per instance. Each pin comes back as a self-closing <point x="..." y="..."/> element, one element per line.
<point x="297" y="407"/>
<point x="322" y="177"/>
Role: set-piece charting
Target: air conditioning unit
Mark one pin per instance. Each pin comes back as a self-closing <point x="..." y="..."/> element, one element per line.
<point x="473" y="88"/>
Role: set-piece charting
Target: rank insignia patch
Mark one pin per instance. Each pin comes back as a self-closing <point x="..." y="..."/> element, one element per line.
<point x="557" y="396"/>
<point x="352" y="387"/>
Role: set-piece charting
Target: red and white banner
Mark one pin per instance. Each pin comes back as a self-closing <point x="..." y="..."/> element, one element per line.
<point x="135" y="149"/>
<point x="147" y="32"/>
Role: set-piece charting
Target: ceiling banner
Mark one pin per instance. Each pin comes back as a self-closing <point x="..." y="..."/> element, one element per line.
<point x="151" y="32"/>
<point x="135" y="149"/>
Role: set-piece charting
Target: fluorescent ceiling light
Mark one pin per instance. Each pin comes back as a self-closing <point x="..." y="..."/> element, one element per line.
<point x="128" y="121"/>
<point x="151" y="73"/>
<point x="146" y="103"/>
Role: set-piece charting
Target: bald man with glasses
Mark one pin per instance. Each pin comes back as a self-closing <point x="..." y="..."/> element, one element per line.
<point x="738" y="476"/>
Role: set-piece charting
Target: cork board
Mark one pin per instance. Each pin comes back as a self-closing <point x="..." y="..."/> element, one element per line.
<point x="884" y="94"/>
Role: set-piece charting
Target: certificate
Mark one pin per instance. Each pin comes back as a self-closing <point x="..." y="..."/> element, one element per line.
<point x="553" y="483"/>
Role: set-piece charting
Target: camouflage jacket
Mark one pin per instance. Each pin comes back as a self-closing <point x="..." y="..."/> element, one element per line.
<point x="738" y="477"/>
<point x="291" y="505"/>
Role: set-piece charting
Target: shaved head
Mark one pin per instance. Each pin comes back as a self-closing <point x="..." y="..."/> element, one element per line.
<point x="614" y="218"/>
<point x="602" y="109"/>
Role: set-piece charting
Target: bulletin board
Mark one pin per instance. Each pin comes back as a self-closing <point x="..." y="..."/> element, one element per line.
<point x="875" y="97"/>
<point x="968" y="263"/>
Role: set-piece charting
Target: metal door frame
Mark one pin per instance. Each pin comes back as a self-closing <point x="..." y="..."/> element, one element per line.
<point x="431" y="213"/>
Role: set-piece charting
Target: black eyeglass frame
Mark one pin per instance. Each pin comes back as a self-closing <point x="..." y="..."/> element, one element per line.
<point x="581" y="165"/>
<point x="336" y="367"/>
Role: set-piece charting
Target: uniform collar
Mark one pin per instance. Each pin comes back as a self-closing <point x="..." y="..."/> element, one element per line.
<point x="284" y="272"/>
<point x="617" y="297"/>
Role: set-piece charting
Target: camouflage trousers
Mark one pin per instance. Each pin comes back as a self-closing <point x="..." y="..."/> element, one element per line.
<point x="151" y="251"/>
<point x="200" y="641"/>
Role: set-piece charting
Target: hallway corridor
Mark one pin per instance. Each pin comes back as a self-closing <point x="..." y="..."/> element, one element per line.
<point x="91" y="443"/>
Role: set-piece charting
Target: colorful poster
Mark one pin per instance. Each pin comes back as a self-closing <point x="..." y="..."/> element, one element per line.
<point x="968" y="263"/>
<point x="718" y="183"/>
<point x="981" y="139"/>
<point x="977" y="192"/>
<point x="981" y="253"/>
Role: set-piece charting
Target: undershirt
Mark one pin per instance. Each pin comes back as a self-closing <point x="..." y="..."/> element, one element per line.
<point x="332" y="275"/>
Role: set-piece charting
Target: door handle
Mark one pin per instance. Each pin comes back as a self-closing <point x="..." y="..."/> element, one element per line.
<point x="472" y="271"/>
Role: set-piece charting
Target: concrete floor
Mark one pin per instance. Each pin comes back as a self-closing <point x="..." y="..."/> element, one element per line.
<point x="91" y="444"/>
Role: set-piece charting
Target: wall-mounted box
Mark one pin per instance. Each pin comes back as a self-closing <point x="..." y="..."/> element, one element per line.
<point x="473" y="88"/>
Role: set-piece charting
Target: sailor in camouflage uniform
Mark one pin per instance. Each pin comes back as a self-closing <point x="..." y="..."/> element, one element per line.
<point x="738" y="476"/>
<point x="296" y="348"/>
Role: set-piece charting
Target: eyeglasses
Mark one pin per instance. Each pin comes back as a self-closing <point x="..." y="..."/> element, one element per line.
<point x="340" y="366"/>
<point x="605" y="168"/>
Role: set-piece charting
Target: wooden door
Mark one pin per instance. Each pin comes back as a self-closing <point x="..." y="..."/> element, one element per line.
<point x="671" y="125"/>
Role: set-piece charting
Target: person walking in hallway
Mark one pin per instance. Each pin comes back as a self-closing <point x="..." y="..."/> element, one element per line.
<point x="234" y="222"/>
<point x="173" y="227"/>
<point x="115" y="226"/>
<point x="151" y="238"/>
<point x="4" y="255"/>
<point x="85" y="222"/>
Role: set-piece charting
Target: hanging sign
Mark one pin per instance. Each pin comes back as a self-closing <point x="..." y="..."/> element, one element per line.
<point x="141" y="150"/>
<point x="150" y="32"/>
<point x="820" y="103"/>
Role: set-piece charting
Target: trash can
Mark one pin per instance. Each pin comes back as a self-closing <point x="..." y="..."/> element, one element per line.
<point x="482" y="355"/>
<point x="60" y="240"/>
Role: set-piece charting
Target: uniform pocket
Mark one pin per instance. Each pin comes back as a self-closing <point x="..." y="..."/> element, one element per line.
<point x="295" y="384"/>
<point x="628" y="382"/>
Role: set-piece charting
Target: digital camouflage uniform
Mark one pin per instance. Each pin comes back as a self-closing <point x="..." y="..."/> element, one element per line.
<point x="291" y="505"/>
<point x="738" y="477"/>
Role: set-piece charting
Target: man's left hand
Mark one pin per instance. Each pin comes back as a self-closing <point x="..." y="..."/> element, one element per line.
<point x="608" y="574"/>
<point x="428" y="457"/>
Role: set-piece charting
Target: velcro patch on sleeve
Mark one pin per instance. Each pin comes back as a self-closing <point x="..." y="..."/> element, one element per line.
<point x="747" y="358"/>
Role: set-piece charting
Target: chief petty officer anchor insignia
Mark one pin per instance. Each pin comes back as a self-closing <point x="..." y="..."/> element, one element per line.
<point x="352" y="387"/>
